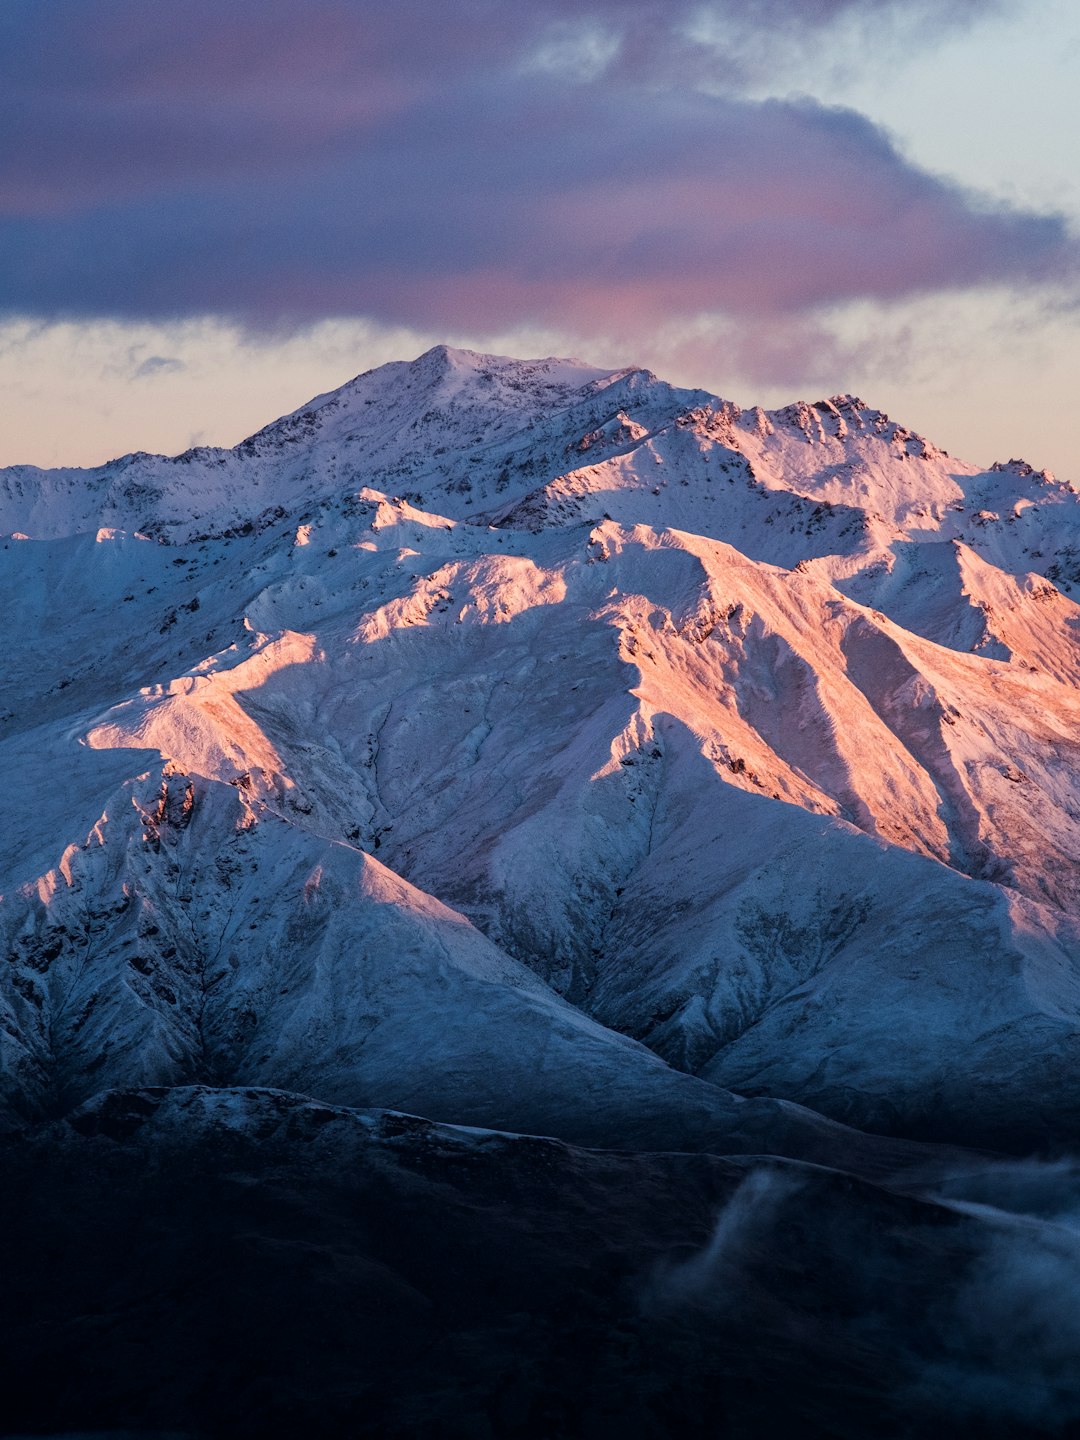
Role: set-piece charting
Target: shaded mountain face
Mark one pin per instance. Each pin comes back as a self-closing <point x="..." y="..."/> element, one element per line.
<point x="248" y="1263"/>
<point x="557" y="752"/>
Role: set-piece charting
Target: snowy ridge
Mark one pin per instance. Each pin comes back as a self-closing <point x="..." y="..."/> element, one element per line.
<point x="542" y="748"/>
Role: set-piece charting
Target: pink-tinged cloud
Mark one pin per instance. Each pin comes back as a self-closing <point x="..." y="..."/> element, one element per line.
<point x="107" y="100"/>
<point x="287" y="161"/>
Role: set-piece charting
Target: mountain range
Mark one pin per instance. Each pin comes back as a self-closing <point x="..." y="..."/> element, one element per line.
<point x="574" y="796"/>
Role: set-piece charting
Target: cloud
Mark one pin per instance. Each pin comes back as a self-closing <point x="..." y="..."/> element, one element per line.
<point x="477" y="166"/>
<point x="1008" y="1335"/>
<point x="709" y="1278"/>
<point x="127" y="98"/>
<point x="157" y="365"/>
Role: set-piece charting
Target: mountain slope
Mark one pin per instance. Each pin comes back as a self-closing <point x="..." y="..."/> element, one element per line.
<point x="750" y="736"/>
<point x="249" y="1263"/>
<point x="195" y="937"/>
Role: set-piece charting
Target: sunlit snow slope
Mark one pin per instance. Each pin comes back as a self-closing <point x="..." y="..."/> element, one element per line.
<point x="550" y="749"/>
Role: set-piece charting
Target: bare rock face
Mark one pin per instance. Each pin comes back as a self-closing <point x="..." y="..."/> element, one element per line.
<point x="553" y="751"/>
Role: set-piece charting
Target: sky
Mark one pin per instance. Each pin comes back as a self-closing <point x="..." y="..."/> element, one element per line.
<point x="210" y="213"/>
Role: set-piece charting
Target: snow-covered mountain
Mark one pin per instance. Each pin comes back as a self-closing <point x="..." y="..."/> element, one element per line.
<point x="555" y="751"/>
<point x="750" y="736"/>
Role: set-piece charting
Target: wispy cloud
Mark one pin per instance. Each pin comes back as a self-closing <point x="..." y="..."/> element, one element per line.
<point x="157" y="365"/>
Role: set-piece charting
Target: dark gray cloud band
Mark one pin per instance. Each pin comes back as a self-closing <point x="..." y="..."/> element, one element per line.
<point x="469" y="166"/>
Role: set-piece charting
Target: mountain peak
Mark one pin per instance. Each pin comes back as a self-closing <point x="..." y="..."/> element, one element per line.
<point x="442" y="360"/>
<point x="1022" y="469"/>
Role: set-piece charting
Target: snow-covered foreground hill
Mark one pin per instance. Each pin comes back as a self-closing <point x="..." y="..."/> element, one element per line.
<point x="554" y="751"/>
